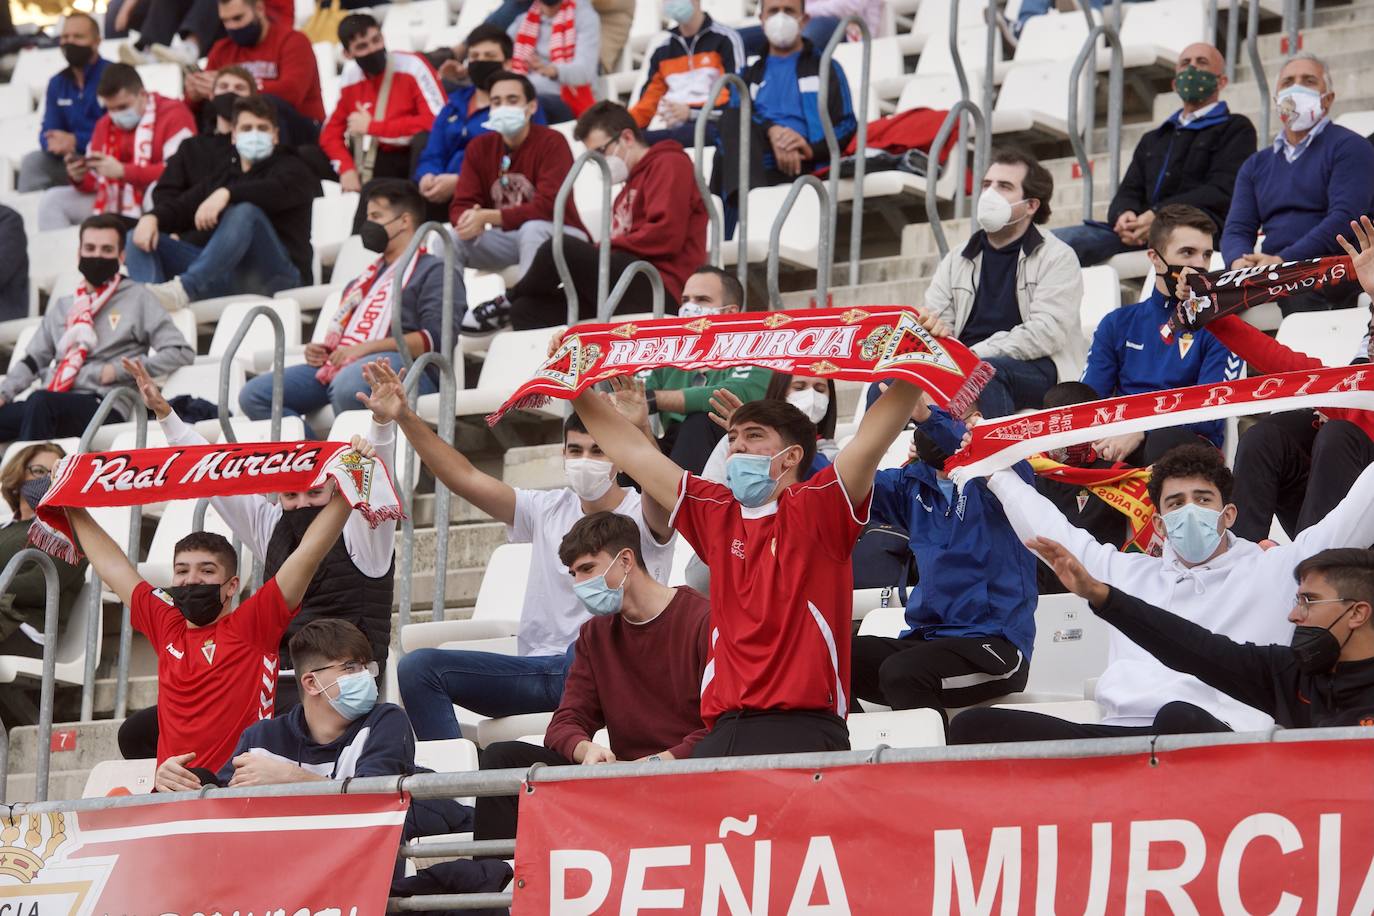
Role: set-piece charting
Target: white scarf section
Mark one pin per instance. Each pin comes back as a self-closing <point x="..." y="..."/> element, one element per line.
<point x="78" y="340"/>
<point x="364" y="314"/>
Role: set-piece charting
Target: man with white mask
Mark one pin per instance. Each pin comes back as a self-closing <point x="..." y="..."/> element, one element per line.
<point x="1303" y="189"/>
<point x="1012" y="294"/>
<point x="432" y="681"/>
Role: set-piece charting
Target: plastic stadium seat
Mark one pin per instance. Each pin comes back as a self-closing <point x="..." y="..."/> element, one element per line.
<point x="71" y="643"/>
<point x="511" y="360"/>
<point x="1361" y="122"/>
<point x="1130" y="264"/>
<point x="409" y="26"/>
<point x="132" y="776"/>
<point x="164" y="79"/>
<point x="51" y="253"/>
<point x="884" y="621"/>
<point x="1157" y="32"/>
<point x="1101" y="297"/>
<point x="1035" y="96"/>
<point x="885" y="70"/>
<point x="350" y="259"/>
<point x="255" y="352"/>
<point x="897" y="728"/>
<point x="939" y="92"/>
<point x="932" y="23"/>
<point x="15" y="101"/>
<point x="208" y="311"/>
<point x="327" y="65"/>
<point x="447" y="755"/>
<point x="331" y="221"/>
<point x="174" y="525"/>
<point x="201" y="380"/>
<point x="512" y="728"/>
<point x="1331" y="337"/>
<point x="496" y="613"/>
<point x="473" y="13"/>
<point x="1070" y="647"/>
<point x="936" y="60"/>
<point x="34" y="67"/>
<point x="1052" y="36"/>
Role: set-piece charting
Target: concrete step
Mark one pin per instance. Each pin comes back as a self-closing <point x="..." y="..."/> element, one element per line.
<point x="77" y="745"/>
<point x="63" y="785"/>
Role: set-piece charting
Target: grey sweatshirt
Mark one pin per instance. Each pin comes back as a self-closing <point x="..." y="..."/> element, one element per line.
<point x="130" y="324"/>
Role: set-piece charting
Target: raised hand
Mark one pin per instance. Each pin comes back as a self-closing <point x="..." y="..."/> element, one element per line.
<point x="1070" y="571"/>
<point x="629" y="398"/>
<point x="363" y="447"/>
<point x="147" y="388"/>
<point x="387" y="399"/>
<point x="1364" y="258"/>
<point x="724" y="403"/>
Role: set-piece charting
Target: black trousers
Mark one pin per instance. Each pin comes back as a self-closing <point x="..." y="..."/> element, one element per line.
<point x="163" y="20"/>
<point x="1159" y="441"/>
<point x="1293" y="466"/>
<point x="745" y="733"/>
<point x="988" y="726"/>
<point x="138" y="734"/>
<point x="691" y="442"/>
<point x="50" y="415"/>
<point x="496" y="815"/>
<point x="538" y="301"/>
<point x="935" y="673"/>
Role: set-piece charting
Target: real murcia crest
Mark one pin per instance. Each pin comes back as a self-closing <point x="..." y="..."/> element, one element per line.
<point x="570" y="361"/>
<point x="776" y="320"/>
<point x="359" y="470"/>
<point x="208" y="650"/>
<point x="36" y="875"/>
<point x="907" y="343"/>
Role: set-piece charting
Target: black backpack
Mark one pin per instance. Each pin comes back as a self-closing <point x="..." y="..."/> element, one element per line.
<point x="882" y="559"/>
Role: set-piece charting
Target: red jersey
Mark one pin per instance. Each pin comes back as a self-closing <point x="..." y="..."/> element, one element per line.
<point x="215" y="681"/>
<point x="782" y="593"/>
<point x="283" y="63"/>
<point x="412" y="105"/>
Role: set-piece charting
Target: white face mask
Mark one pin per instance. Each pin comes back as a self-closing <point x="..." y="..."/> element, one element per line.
<point x="810" y="402"/>
<point x="994" y="211"/>
<point x="619" y="170"/>
<point x="781" y="30"/>
<point x="589" y="478"/>
<point x="1300" y="108"/>
<point x="695" y="310"/>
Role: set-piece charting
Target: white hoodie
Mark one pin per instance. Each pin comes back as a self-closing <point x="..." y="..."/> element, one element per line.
<point x="1245" y="593"/>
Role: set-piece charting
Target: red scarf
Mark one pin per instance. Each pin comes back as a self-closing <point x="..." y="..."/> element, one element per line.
<point x="151" y="475"/>
<point x="998" y="444"/>
<point x="79" y="340"/>
<point x="562" y="49"/>
<point x="117" y="196"/>
<point x="1125" y="489"/>
<point x="1226" y="292"/>
<point x="860" y="344"/>
<point x="364" y="314"/>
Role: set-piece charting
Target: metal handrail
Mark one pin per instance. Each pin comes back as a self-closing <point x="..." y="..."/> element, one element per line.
<point x="1309" y="12"/>
<point x="139" y="414"/>
<point x="982" y="151"/>
<point x="1232" y="37"/>
<point x="1082" y="143"/>
<point x="775" y="235"/>
<point x="746" y="117"/>
<point x="1257" y="64"/>
<point x="278" y="369"/>
<point x="1210" y="29"/>
<point x="952" y="117"/>
<point x="560" y="207"/>
<point x="623" y="285"/>
<point x="832" y="142"/>
<point x="422" y="235"/>
<point x="1291" y="25"/>
<point x="49" y="682"/>
<point x="957" y="59"/>
<point x="447" y="393"/>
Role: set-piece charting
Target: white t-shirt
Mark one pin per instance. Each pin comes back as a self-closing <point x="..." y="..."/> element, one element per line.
<point x="552" y="614"/>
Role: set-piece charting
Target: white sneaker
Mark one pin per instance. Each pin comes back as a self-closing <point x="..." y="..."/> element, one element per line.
<point x="183" y="52"/>
<point x="171" y="295"/>
<point x="130" y="55"/>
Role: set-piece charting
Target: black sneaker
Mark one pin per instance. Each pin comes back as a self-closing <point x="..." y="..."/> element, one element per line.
<point x="487" y="318"/>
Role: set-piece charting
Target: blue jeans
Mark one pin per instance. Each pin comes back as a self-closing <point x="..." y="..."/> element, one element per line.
<point x="1093" y="243"/>
<point x="302" y="393"/>
<point x="244" y="255"/>
<point x="432" y="681"/>
<point x="506" y="13"/>
<point x="1018" y="385"/>
<point x="818" y="30"/>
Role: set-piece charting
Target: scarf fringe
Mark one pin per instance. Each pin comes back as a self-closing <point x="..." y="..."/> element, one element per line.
<point x="375" y="516"/>
<point x="528" y="402"/>
<point x="53" y="543"/>
<point x="973" y="386"/>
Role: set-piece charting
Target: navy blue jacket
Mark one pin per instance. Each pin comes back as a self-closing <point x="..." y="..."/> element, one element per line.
<point x="381" y="743"/>
<point x="976" y="577"/>
<point x="71" y="109"/>
<point x="453" y="128"/>
<point x="14" y="266"/>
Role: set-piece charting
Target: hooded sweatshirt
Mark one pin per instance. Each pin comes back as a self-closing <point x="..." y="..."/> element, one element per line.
<point x="659" y="216"/>
<point x="1245" y="593"/>
<point x="283" y="63"/>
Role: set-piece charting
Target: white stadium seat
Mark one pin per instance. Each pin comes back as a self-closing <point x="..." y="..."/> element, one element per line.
<point x="118" y="777"/>
<point x="896" y="728"/>
<point x="1101" y="297"/>
<point x="1157" y="32"/>
<point x="511" y="360"/>
<point x="496" y="613"/>
<point x="1331" y="337"/>
<point x="1070" y="648"/>
<point x="71" y="639"/>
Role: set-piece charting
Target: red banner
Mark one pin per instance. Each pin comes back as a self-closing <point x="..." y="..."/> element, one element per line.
<point x="1267" y="828"/>
<point x="308" y="856"/>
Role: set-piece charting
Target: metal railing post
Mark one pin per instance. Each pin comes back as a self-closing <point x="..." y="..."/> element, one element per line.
<point x="1081" y="140"/>
<point x="603" y="244"/>
<point x="982" y="150"/>
<point x="1232" y="37"/>
<point x="139" y="414"/>
<point x="1211" y="28"/>
<point x="824" y="250"/>
<point x="43" y="747"/>
<point x="448" y="395"/>
<point x="1309" y="12"/>
<point x="1257" y="64"/>
<point x="952" y="117"/>
<point x="623" y="285"/>
<point x="1290" y="24"/>
<point x="92" y="661"/>
<point x="832" y="142"/>
<point x="957" y="59"/>
<point x="746" y="118"/>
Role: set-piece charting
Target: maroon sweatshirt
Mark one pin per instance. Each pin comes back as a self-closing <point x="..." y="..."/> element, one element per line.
<point x="659" y="215"/>
<point x="523" y="188"/>
<point x="641" y="681"/>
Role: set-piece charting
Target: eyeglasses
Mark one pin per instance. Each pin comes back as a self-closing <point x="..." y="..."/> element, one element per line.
<point x="349" y="668"/>
<point x="38" y="470"/>
<point x="1303" y="604"/>
<point x="607" y="145"/>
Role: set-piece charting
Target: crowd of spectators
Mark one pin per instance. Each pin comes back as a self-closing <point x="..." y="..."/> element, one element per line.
<point x="183" y="201"/>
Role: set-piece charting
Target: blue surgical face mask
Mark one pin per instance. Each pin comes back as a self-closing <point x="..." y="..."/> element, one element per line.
<point x="749" y="478"/>
<point x="506" y="120"/>
<point x="127" y="118"/>
<point x="678" y="10"/>
<point x="357" y="695"/>
<point x="598" y="597"/>
<point x="1193" y="531"/>
<point x="254" y="145"/>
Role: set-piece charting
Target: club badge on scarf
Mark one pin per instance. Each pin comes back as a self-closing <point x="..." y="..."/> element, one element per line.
<point x="860" y="344"/>
<point x="139" y="476"/>
<point x="998" y="444"/>
<point x="1226" y="292"/>
<point x="1125" y="489"/>
<point x="78" y="340"/>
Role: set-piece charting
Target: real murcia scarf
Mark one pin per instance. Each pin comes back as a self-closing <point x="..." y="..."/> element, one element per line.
<point x="139" y="476"/>
<point x="364" y="312"/>
<point x="78" y="340"/>
<point x="860" y="344"/>
<point x="562" y="49"/>
<point x="114" y="195"/>
<point x="1124" y="489"/>
<point x="1226" y="292"/>
<point x="998" y="444"/>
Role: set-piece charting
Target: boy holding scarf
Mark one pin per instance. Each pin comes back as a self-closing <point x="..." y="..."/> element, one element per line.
<point x="557" y="45"/>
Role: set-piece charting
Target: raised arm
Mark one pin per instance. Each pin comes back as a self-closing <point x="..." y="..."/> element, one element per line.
<point x="858" y="461"/>
<point x="295" y="574"/>
<point x="107" y="557"/>
<point x="387" y="401"/>
<point x="623" y="442"/>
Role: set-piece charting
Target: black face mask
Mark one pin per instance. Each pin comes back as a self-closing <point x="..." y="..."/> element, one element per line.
<point x="1172" y="273"/>
<point x="929" y="452"/>
<point x="373" y="64"/>
<point x="78" y="56"/>
<point x="1316" y="648"/>
<point x="98" y="271"/>
<point x="223" y="105"/>
<point x="374" y="235"/>
<point x="481" y="71"/>
<point x="247" y="36"/>
<point x="199" y="604"/>
<point x="33" y="491"/>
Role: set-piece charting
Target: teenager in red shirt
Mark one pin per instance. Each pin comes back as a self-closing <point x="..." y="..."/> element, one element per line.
<point x="217" y="665"/>
<point x="280" y="59"/>
<point x="779" y="553"/>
